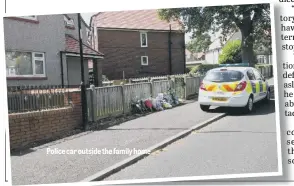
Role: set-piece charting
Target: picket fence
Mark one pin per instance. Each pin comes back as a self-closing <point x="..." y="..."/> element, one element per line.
<point x="115" y="100"/>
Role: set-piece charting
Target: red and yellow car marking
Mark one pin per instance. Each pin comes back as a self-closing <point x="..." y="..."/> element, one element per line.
<point x="226" y="87"/>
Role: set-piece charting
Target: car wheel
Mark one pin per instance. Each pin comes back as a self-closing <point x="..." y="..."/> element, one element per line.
<point x="250" y="105"/>
<point x="204" y="108"/>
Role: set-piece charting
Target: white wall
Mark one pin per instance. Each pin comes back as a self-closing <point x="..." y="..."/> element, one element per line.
<point x="211" y="57"/>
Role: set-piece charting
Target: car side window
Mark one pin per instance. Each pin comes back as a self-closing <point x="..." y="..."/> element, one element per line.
<point x="250" y="75"/>
<point x="257" y="75"/>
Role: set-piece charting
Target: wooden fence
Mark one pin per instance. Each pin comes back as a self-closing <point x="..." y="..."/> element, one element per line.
<point x="115" y="100"/>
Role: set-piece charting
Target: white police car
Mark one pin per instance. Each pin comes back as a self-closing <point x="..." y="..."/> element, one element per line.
<point x="233" y="86"/>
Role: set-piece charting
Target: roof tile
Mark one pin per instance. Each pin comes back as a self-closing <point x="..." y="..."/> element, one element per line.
<point x="134" y="19"/>
<point x="72" y="45"/>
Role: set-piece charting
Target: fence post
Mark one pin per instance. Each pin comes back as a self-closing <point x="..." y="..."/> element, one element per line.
<point x="185" y="87"/>
<point x="173" y="83"/>
<point x="198" y="82"/>
<point x="93" y="101"/>
<point x="123" y="98"/>
<point x="151" y="86"/>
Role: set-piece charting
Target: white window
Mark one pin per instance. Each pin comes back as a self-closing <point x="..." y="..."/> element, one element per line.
<point x="143" y="37"/>
<point x="144" y="60"/>
<point x="25" y="64"/>
<point x="32" y="17"/>
<point x="261" y="59"/>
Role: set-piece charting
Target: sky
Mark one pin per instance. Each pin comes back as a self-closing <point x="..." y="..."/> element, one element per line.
<point x="87" y="17"/>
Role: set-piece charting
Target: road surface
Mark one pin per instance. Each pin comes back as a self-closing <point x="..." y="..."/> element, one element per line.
<point x="235" y="144"/>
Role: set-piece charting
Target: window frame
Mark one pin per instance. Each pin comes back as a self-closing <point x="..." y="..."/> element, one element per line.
<point x="141" y="37"/>
<point x="144" y="64"/>
<point x="261" y="59"/>
<point x="33" y="60"/>
<point x="256" y="72"/>
<point x="251" y="71"/>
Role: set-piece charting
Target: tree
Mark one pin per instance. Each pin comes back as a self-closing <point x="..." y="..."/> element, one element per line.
<point x="231" y="53"/>
<point x="199" y="44"/>
<point x="252" y="20"/>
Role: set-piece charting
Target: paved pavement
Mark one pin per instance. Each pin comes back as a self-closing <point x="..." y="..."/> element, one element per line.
<point x="38" y="167"/>
<point x="233" y="145"/>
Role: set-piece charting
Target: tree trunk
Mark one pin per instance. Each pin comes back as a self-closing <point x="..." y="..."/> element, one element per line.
<point x="247" y="46"/>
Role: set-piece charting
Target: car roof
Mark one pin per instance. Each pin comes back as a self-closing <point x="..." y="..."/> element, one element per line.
<point x="242" y="69"/>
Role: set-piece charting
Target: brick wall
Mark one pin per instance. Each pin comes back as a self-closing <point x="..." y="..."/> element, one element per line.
<point x="28" y="128"/>
<point x="123" y="52"/>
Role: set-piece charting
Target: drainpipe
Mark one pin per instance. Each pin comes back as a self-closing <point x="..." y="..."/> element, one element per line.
<point x="184" y="53"/>
<point x="93" y="38"/>
<point x="61" y="69"/>
<point x="169" y="51"/>
<point x="83" y="88"/>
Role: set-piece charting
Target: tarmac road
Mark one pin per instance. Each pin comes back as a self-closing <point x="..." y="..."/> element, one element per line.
<point x="236" y="144"/>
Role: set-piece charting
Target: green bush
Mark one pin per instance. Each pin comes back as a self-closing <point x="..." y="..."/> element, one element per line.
<point x="203" y="68"/>
<point x="188" y="69"/>
<point x="231" y="53"/>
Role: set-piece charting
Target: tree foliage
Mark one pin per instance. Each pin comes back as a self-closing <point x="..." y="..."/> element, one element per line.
<point x="231" y="53"/>
<point x="252" y="20"/>
<point x="202" y="68"/>
<point x="199" y="44"/>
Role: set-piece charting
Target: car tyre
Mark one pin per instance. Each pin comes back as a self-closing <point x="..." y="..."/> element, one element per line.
<point x="249" y="106"/>
<point x="204" y="108"/>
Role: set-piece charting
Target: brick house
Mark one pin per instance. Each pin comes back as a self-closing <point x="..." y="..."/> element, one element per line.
<point x="138" y="44"/>
<point x="44" y="49"/>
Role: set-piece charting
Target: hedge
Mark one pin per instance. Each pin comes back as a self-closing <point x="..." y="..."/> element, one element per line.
<point x="203" y="68"/>
<point x="231" y="53"/>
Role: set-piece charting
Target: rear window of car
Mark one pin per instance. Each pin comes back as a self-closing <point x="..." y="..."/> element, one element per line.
<point x="224" y="76"/>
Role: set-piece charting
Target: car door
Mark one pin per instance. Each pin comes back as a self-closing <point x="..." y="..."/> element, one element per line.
<point x="261" y="83"/>
<point x="253" y="82"/>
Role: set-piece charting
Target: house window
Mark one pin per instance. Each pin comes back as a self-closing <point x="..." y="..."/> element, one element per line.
<point x="144" y="60"/>
<point x="261" y="59"/>
<point x="25" y="64"/>
<point x="143" y="36"/>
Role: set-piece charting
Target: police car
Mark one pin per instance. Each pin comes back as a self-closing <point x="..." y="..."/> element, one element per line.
<point x="233" y="86"/>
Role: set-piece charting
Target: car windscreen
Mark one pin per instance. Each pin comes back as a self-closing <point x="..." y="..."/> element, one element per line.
<point x="224" y="76"/>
